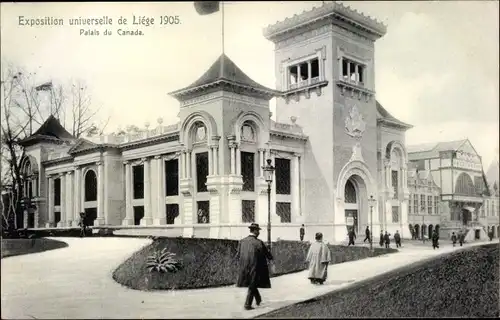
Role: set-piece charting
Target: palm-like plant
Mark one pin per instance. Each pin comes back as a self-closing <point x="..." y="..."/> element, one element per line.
<point x="163" y="261"/>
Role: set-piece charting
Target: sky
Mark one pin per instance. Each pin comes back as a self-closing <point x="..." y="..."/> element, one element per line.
<point x="437" y="67"/>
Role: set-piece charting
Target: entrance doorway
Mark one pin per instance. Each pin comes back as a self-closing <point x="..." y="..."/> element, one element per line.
<point x="477" y="234"/>
<point x="352" y="215"/>
<point x="31" y="218"/>
<point x="352" y="205"/>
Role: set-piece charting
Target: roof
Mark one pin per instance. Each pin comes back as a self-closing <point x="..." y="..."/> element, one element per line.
<point x="385" y="117"/>
<point x="224" y="72"/>
<point x="492" y="176"/>
<point x="50" y="130"/>
<point x="431" y="150"/>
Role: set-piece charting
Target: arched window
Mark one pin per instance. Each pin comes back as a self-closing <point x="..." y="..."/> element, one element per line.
<point x="350" y="192"/>
<point x="90" y="186"/>
<point x="464" y="185"/>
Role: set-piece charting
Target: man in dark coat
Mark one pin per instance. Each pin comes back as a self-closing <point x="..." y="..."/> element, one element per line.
<point x="367" y="235"/>
<point x="453" y="238"/>
<point x="490" y="234"/>
<point x="352" y="236"/>
<point x="397" y="239"/>
<point x="83" y="225"/>
<point x="381" y="242"/>
<point x="387" y="240"/>
<point x="461" y="237"/>
<point x="435" y="240"/>
<point x="302" y="232"/>
<point x="253" y="270"/>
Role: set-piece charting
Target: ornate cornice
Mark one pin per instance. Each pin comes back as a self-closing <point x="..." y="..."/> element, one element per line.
<point x="282" y="134"/>
<point x="169" y="137"/>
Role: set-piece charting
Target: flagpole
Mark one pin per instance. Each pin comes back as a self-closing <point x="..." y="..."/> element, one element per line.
<point x="222" y="12"/>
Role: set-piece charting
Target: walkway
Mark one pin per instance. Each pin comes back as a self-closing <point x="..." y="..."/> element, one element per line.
<point x="75" y="282"/>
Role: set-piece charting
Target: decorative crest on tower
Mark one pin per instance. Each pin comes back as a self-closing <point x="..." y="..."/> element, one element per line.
<point x="354" y="123"/>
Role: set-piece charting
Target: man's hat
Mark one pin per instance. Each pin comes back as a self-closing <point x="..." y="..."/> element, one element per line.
<point x="254" y="226"/>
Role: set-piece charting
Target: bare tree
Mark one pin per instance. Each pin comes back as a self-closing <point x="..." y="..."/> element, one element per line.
<point x="24" y="108"/>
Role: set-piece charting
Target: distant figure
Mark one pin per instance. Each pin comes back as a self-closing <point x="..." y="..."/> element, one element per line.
<point x="435" y="240"/>
<point x="453" y="238"/>
<point x="318" y="257"/>
<point x="83" y="225"/>
<point x="381" y="242"/>
<point x="367" y="235"/>
<point x="352" y="236"/>
<point x="412" y="231"/>
<point x="253" y="269"/>
<point x="397" y="239"/>
<point x="302" y="232"/>
<point x="387" y="240"/>
<point x="490" y="234"/>
<point x="461" y="237"/>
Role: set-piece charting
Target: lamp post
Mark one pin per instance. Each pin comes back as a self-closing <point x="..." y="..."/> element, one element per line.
<point x="371" y="202"/>
<point x="268" y="174"/>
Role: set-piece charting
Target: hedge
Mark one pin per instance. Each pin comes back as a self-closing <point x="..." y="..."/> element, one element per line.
<point x="16" y="247"/>
<point x="211" y="262"/>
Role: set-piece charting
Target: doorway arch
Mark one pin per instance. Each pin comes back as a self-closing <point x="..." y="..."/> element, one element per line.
<point x="417" y="231"/>
<point x="90" y="197"/>
<point x="431" y="227"/>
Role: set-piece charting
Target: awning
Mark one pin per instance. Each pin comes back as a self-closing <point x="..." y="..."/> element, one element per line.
<point x="471" y="209"/>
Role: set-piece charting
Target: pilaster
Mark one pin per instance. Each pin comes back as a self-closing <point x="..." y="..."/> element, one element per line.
<point x="69" y="198"/>
<point x="129" y="209"/>
<point x="148" y="214"/>
<point x="161" y="215"/>
<point x="77" y="197"/>
<point x="62" y="221"/>
<point x="50" y="202"/>
<point x="100" y="194"/>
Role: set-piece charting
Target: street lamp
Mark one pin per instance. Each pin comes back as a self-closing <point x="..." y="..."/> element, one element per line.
<point x="268" y="175"/>
<point x="371" y="202"/>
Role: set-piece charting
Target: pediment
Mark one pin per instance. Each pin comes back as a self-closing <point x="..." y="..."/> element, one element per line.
<point x="82" y="145"/>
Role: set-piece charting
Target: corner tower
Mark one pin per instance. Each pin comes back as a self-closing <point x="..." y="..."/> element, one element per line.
<point x="325" y="70"/>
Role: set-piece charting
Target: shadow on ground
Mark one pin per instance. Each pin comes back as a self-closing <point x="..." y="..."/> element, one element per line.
<point x="461" y="284"/>
<point x="16" y="247"/>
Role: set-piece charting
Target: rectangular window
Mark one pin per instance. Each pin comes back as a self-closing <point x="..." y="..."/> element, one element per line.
<point x="138" y="214"/>
<point x="303" y="74"/>
<point x="248" y="211"/>
<point x="422" y="208"/>
<point x="284" y="211"/>
<point x="57" y="192"/>
<point x="429" y="204"/>
<point x="282" y="176"/>
<point x="201" y="171"/>
<point x="172" y="177"/>
<point x="394" y="176"/>
<point x="172" y="211"/>
<point x="138" y="176"/>
<point x="415" y="203"/>
<point x="353" y="72"/>
<point x="247" y="171"/>
<point x="395" y="214"/>
<point x="410" y="205"/>
<point x="436" y="204"/>
<point x="203" y="212"/>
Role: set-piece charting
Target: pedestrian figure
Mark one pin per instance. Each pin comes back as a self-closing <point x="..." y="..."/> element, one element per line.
<point x="352" y="236"/>
<point x="453" y="238"/>
<point x="381" y="242"/>
<point x="397" y="239"/>
<point x="435" y="240"/>
<point x="461" y="237"/>
<point x="302" y="232"/>
<point x="387" y="240"/>
<point x="253" y="269"/>
<point x="318" y="257"/>
<point x="490" y="234"/>
<point x="412" y="231"/>
<point x="367" y="235"/>
<point x="83" y="225"/>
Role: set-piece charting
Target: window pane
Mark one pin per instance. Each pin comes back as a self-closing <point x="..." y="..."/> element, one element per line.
<point x="314" y="68"/>
<point x="201" y="171"/>
<point x="395" y="183"/>
<point x="172" y="212"/>
<point x="172" y="177"/>
<point x="203" y="212"/>
<point x="57" y="192"/>
<point x="248" y="210"/>
<point x="395" y="214"/>
<point x="90" y="186"/>
<point x="247" y="171"/>
<point x="283" y="210"/>
<point x="349" y="192"/>
<point x="361" y="72"/>
<point x="138" y="176"/>
<point x="282" y="176"/>
<point x="345" y="69"/>
<point x="429" y="204"/>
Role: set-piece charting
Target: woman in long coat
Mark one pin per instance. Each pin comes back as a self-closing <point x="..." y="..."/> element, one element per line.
<point x="253" y="270"/>
<point x="319" y="257"/>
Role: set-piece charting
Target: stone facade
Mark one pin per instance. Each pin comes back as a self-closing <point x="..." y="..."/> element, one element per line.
<point x="333" y="146"/>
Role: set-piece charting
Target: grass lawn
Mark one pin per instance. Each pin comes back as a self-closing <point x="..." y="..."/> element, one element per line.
<point x="15" y="247"/>
<point x="461" y="284"/>
<point x="211" y="262"/>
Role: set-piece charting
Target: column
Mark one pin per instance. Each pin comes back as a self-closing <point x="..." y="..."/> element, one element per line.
<point x="69" y="198"/>
<point x="299" y="78"/>
<point x="238" y="160"/>
<point x="62" y="205"/>
<point x="348" y="71"/>
<point x="50" y="202"/>
<point x="262" y="162"/>
<point x="295" y="181"/>
<point x="100" y="194"/>
<point x="233" y="161"/>
<point x="129" y="209"/>
<point x="148" y="217"/>
<point x="182" y="165"/>
<point x="189" y="165"/>
<point x="340" y="69"/>
<point x="356" y="74"/>
<point x="309" y="71"/>
<point x="211" y="163"/>
<point x="77" y="198"/>
<point x="215" y="160"/>
<point x="161" y="217"/>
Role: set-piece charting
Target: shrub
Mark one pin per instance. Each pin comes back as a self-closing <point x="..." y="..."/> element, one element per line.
<point x="211" y="262"/>
<point x="15" y="247"/>
<point x="163" y="261"/>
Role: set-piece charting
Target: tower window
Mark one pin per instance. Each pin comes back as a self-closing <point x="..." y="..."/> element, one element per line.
<point x="352" y="71"/>
<point x="303" y="74"/>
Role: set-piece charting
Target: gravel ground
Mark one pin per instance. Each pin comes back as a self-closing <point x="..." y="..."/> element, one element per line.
<point x="462" y="284"/>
